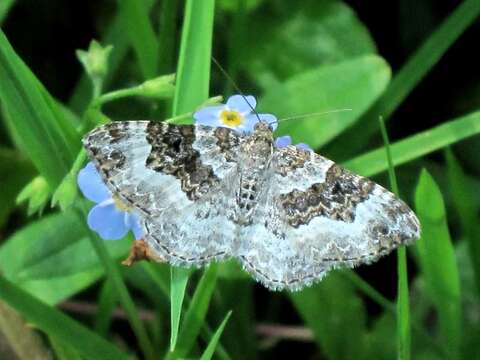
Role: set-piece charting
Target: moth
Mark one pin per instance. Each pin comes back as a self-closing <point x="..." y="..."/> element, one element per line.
<point x="205" y="194"/>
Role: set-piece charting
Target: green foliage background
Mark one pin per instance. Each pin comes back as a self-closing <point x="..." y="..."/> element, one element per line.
<point x="296" y="58"/>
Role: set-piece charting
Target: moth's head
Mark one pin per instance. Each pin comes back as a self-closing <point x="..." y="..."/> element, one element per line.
<point x="262" y="136"/>
<point x="263" y="127"/>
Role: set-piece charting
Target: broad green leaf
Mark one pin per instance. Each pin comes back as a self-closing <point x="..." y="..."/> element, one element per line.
<point x="64" y="352"/>
<point x="195" y="316"/>
<point x="298" y="38"/>
<point x="437" y="260"/>
<point x="412" y="72"/>
<point x="208" y="353"/>
<point x="415" y="146"/>
<point x="191" y="90"/>
<point x="352" y="84"/>
<point x="54" y="246"/>
<point x="336" y="316"/>
<point x="463" y="195"/>
<point x="58" y="325"/>
<point x="138" y="28"/>
<point x="33" y="118"/>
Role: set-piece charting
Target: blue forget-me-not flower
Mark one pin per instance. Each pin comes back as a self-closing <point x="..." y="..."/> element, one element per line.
<point x="110" y="218"/>
<point x="236" y="114"/>
<point x="286" y="140"/>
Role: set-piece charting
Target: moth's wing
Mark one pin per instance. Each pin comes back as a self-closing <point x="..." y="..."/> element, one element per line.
<point x="175" y="177"/>
<point x="317" y="216"/>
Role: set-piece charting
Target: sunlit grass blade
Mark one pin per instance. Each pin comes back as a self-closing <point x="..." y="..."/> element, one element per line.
<point x="463" y="195"/>
<point x="403" y="307"/>
<point x="195" y="316"/>
<point x="58" y="325"/>
<point x="178" y="283"/>
<point x="191" y="90"/>
<point x="208" y="353"/>
<point x="438" y="262"/>
<point x="412" y="72"/>
<point x="32" y="118"/>
<point x="417" y="145"/>
<point x="139" y="29"/>
<point x="193" y="69"/>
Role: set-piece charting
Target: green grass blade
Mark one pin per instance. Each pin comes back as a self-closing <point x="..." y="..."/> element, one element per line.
<point x="417" y="145"/>
<point x="33" y="119"/>
<point x="193" y="69"/>
<point x="463" y="198"/>
<point x="208" y="353"/>
<point x="352" y="84"/>
<point x="195" y="316"/>
<point x="62" y="351"/>
<point x="178" y="283"/>
<point x="414" y="70"/>
<point x="191" y="90"/>
<point x="58" y="325"/>
<point x="139" y="29"/>
<point x="438" y="262"/>
<point x="106" y="305"/>
<point x="403" y="308"/>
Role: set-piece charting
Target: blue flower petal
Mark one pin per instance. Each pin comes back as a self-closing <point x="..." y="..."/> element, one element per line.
<point x="283" y="141"/>
<point x="209" y="116"/>
<point x="92" y="185"/>
<point x="107" y="221"/>
<point x="248" y="125"/>
<point x="303" y="146"/>
<point x="239" y="103"/>
<point x="133" y="222"/>
<point x="270" y="119"/>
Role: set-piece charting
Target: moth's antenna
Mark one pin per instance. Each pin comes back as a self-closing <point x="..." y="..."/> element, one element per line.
<point x="229" y="78"/>
<point x="296" y="117"/>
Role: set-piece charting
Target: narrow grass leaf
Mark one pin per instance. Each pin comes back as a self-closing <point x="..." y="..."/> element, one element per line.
<point x="193" y="69"/>
<point x="212" y="345"/>
<point x="137" y="26"/>
<point x="33" y="119"/>
<point x="195" y="316"/>
<point x="467" y="208"/>
<point x="107" y="303"/>
<point x="353" y="84"/>
<point x="191" y="90"/>
<point x="58" y="325"/>
<point x="438" y="262"/>
<point x="178" y="284"/>
<point x="412" y="72"/>
<point x="415" y="146"/>
<point x="64" y="352"/>
<point x="403" y="307"/>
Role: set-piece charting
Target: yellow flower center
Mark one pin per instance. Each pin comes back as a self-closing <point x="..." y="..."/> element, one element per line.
<point x="231" y="118"/>
<point x="119" y="204"/>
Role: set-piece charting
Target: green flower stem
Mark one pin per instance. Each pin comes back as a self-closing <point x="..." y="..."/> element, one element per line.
<point x="114" y="95"/>
<point x="124" y="297"/>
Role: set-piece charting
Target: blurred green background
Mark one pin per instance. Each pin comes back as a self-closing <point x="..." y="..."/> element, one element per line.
<point x="415" y="63"/>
